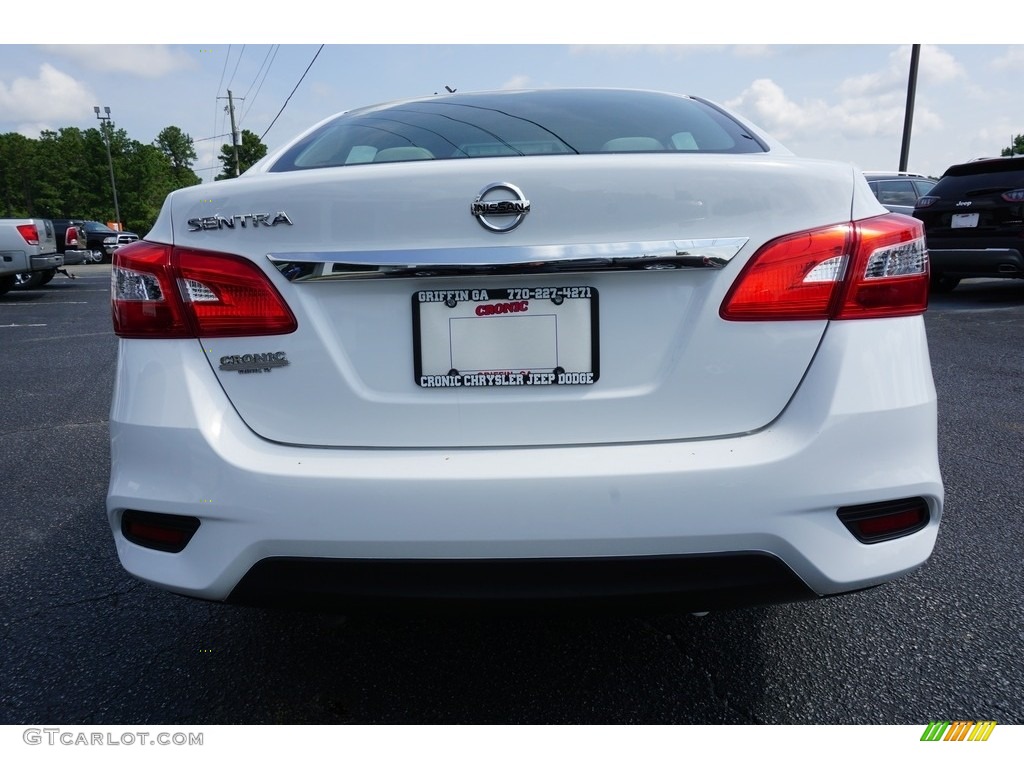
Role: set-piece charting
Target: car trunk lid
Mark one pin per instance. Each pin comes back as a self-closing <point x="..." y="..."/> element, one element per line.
<point x="595" y="320"/>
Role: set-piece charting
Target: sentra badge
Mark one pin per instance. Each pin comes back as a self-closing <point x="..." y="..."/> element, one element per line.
<point x="242" y="220"/>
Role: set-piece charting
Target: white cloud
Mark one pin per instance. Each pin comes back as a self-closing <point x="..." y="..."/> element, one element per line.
<point x="935" y="65"/>
<point x="141" y="60"/>
<point x="677" y="51"/>
<point x="1012" y="59"/>
<point x="32" y="130"/>
<point x="45" y="100"/>
<point x="880" y="113"/>
<point x="766" y="103"/>
<point x="515" y="83"/>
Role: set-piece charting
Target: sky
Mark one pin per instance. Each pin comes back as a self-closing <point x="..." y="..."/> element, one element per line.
<point x="829" y="98"/>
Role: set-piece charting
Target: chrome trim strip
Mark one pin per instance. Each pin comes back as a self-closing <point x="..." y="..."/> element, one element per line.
<point x="710" y="253"/>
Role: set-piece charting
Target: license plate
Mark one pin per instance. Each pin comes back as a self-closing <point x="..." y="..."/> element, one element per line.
<point x="963" y="220"/>
<point x="522" y="336"/>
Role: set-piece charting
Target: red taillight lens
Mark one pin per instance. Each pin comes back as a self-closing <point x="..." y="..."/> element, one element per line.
<point x="71" y="237"/>
<point x="158" y="291"/>
<point x="29" y="233"/>
<point x="792" y="278"/>
<point x="875" y="267"/>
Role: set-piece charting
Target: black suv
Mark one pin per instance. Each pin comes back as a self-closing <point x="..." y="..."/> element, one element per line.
<point x="974" y="221"/>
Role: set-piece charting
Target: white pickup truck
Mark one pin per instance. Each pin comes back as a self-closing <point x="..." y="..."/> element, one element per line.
<point x="27" y="246"/>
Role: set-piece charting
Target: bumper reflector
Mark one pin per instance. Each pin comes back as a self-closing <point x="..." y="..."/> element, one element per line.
<point x="872" y="523"/>
<point x="154" y="530"/>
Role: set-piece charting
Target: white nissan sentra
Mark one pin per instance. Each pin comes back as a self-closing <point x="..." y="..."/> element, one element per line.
<point x="555" y="345"/>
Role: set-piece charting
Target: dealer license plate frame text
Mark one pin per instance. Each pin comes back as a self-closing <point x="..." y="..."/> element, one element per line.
<point x="492" y="337"/>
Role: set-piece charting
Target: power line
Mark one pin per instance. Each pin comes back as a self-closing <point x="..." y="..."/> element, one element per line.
<point x="292" y="93"/>
<point x="270" y="50"/>
<point x="276" y="48"/>
<point x="216" y="105"/>
<point x="237" y="62"/>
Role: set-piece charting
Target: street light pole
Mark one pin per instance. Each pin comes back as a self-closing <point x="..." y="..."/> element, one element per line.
<point x="908" y="117"/>
<point x="105" y="124"/>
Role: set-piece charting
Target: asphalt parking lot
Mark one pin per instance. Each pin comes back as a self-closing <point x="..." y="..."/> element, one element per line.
<point x="85" y="643"/>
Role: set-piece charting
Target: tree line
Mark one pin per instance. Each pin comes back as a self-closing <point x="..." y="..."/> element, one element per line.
<point x="1016" y="148"/>
<point x="66" y="174"/>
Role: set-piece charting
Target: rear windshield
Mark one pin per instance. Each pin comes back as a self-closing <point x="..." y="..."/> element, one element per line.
<point x="990" y="177"/>
<point x="95" y="226"/>
<point x="520" y="123"/>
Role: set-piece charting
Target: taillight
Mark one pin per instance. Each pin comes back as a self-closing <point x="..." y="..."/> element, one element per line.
<point x="1014" y="196"/>
<point x="71" y="237"/>
<point x="158" y="291"/>
<point x="875" y="267"/>
<point x="29" y="233"/>
<point x="924" y="202"/>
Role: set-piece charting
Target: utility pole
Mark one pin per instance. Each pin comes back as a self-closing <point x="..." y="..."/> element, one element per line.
<point x="104" y="126"/>
<point x="234" y="131"/>
<point x="908" y="118"/>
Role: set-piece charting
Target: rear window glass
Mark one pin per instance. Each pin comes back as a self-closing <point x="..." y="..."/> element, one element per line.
<point x="520" y="124"/>
<point x="95" y="226"/>
<point x="989" y="177"/>
<point x="895" y="192"/>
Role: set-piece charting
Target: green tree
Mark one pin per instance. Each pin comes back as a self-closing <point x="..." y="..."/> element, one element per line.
<point x="179" y="149"/>
<point x="17" y="175"/>
<point x="250" y="151"/>
<point x="146" y="179"/>
<point x="71" y="174"/>
<point x="1017" y="148"/>
<point x="66" y="173"/>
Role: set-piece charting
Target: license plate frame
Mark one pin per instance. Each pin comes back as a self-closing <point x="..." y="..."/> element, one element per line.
<point x="964" y="221"/>
<point x="498" y="337"/>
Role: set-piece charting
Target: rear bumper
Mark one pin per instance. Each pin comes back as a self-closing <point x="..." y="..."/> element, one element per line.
<point x="977" y="262"/>
<point x="861" y="429"/>
<point x="71" y="258"/>
<point x="47" y="261"/>
<point x="691" y="582"/>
